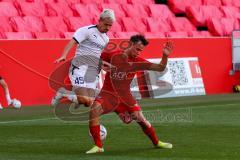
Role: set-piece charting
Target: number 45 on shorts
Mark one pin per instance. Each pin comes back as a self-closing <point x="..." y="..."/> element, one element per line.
<point x="79" y="80"/>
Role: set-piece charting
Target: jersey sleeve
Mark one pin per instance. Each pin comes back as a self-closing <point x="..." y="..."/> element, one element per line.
<point x="81" y="34"/>
<point x="141" y="64"/>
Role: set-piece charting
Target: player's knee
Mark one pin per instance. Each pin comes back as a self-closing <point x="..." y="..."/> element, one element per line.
<point x="136" y="116"/>
<point x="87" y="101"/>
<point x="147" y="123"/>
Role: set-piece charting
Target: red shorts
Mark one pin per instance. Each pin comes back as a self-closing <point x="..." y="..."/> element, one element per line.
<point x="110" y="102"/>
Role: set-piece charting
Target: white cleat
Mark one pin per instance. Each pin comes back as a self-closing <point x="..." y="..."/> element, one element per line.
<point x="58" y="96"/>
<point x="54" y="101"/>
<point x="1" y="107"/>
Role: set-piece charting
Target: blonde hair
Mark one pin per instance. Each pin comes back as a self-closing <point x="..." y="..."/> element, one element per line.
<point x="108" y="13"/>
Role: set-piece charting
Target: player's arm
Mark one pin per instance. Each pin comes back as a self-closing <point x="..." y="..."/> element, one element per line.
<point x="80" y="35"/>
<point x="105" y="62"/>
<point x="106" y="66"/>
<point x="66" y="50"/>
<point x="167" y="49"/>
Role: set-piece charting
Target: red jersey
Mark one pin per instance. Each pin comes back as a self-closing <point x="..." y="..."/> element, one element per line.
<point x="0" y="72"/>
<point x="118" y="80"/>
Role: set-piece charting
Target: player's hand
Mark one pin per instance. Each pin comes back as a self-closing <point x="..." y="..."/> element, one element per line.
<point x="107" y="66"/>
<point x="167" y="48"/>
<point x="61" y="59"/>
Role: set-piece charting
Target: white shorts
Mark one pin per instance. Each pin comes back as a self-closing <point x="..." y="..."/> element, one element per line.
<point x="83" y="77"/>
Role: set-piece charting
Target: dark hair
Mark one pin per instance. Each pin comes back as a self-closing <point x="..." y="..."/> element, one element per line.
<point x="137" y="38"/>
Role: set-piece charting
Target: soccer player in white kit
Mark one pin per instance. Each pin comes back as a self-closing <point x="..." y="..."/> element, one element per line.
<point x="4" y="85"/>
<point x="83" y="73"/>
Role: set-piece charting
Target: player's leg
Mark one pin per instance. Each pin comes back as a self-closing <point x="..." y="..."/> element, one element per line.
<point x="6" y="91"/>
<point x="61" y="92"/>
<point x="94" y="127"/>
<point x="0" y="103"/>
<point x="128" y="114"/>
<point x="84" y="80"/>
<point x="81" y="95"/>
<point x="104" y="103"/>
<point x="83" y="91"/>
<point x="149" y="130"/>
<point x="85" y="95"/>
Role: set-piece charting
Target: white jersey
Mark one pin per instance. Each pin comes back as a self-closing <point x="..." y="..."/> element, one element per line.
<point x="85" y="65"/>
<point x="90" y="41"/>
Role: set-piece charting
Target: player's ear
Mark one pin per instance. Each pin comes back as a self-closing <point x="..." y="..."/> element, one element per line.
<point x="130" y="44"/>
<point x="100" y="20"/>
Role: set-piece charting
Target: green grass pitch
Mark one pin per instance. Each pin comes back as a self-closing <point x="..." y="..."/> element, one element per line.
<point x="200" y="127"/>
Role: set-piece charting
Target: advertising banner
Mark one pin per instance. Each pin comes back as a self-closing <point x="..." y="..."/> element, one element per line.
<point x="182" y="77"/>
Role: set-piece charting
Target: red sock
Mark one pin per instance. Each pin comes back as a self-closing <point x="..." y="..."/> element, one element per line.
<point x="95" y="131"/>
<point x="150" y="132"/>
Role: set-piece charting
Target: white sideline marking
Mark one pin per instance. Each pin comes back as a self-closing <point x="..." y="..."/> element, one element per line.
<point x="28" y="120"/>
<point x="43" y="119"/>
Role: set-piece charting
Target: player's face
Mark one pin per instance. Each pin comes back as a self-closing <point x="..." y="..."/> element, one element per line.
<point x="104" y="25"/>
<point x="136" y="49"/>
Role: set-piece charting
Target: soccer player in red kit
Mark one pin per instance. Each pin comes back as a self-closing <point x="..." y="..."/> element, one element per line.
<point x="115" y="96"/>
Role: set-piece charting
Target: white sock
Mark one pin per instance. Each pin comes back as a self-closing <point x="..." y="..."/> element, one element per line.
<point x="72" y="97"/>
<point x="62" y="92"/>
<point x="8" y="97"/>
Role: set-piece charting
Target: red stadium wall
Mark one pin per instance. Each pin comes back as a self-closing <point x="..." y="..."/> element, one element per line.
<point x="27" y="64"/>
